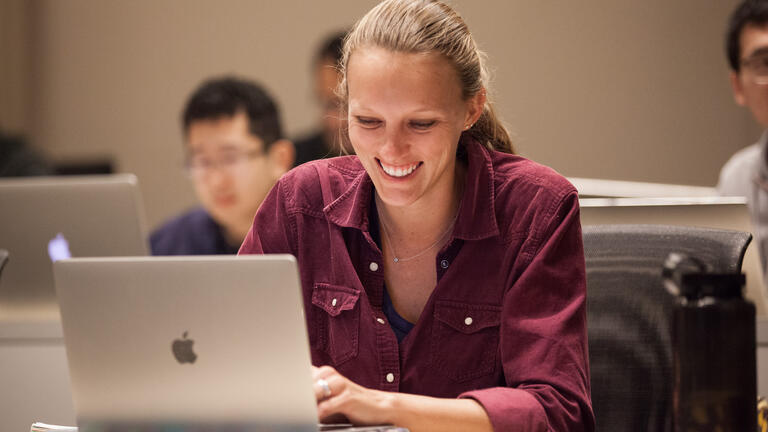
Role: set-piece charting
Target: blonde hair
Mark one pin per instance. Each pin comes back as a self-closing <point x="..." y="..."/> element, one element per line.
<point x="426" y="26"/>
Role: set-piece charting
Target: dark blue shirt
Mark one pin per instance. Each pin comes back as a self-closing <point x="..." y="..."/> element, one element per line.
<point x="400" y="325"/>
<point x="192" y="233"/>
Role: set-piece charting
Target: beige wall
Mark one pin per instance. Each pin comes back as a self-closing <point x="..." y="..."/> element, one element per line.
<point x="609" y="89"/>
<point x="631" y="90"/>
<point x="15" y="40"/>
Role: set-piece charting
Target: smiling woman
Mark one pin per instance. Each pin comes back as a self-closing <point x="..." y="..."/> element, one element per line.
<point x="406" y="114"/>
<point x="443" y="276"/>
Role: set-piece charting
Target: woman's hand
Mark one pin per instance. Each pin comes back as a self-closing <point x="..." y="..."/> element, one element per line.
<point x="336" y="395"/>
<point x="339" y="397"/>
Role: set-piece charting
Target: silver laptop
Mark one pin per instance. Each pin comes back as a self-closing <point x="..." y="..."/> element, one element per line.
<point x="712" y="212"/>
<point x="189" y="340"/>
<point x="209" y="342"/>
<point x="81" y="216"/>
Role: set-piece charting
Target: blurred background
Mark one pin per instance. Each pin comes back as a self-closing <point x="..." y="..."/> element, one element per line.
<point x="605" y="89"/>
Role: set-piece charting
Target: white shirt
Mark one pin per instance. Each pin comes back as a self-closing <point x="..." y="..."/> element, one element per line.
<point x="746" y="174"/>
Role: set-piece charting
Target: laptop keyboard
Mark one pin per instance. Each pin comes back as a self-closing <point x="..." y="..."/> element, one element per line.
<point x="351" y="428"/>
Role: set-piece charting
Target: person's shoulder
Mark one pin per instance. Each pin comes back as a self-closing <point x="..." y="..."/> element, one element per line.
<point x="746" y="156"/>
<point x="310" y="147"/>
<point x="192" y="218"/>
<point x="316" y="183"/>
<point x="735" y="176"/>
<point x="529" y="197"/>
<point x="522" y="176"/>
<point x="178" y="235"/>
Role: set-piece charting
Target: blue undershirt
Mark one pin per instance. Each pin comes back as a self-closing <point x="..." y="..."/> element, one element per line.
<point x="399" y="325"/>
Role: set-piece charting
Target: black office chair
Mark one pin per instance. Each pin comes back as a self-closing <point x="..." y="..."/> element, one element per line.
<point x="629" y="312"/>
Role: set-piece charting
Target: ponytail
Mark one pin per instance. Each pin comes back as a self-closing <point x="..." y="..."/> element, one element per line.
<point x="490" y="132"/>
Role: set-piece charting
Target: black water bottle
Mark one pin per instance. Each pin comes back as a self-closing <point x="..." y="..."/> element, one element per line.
<point x="713" y="343"/>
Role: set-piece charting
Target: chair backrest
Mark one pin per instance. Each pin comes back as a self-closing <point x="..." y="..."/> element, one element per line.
<point x="629" y="312"/>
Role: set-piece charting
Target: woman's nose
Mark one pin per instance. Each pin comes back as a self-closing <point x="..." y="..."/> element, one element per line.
<point x="396" y="142"/>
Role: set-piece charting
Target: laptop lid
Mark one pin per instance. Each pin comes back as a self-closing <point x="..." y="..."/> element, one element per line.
<point x="711" y="212"/>
<point x="187" y="340"/>
<point x="94" y="215"/>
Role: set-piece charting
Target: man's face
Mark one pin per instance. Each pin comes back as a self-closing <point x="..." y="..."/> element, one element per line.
<point x="230" y="172"/>
<point x="748" y="88"/>
<point x="327" y="79"/>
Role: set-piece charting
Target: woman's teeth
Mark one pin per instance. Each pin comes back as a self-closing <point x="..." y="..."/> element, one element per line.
<point x="399" y="171"/>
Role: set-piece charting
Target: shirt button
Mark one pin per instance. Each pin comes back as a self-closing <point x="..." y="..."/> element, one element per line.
<point x="444" y="264"/>
<point x="381" y="321"/>
<point x="390" y="377"/>
<point x="468" y="320"/>
<point x="373" y="266"/>
<point x="333" y="302"/>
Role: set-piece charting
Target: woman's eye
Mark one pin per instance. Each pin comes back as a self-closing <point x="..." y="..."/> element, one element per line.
<point x="368" y="122"/>
<point x="422" y="124"/>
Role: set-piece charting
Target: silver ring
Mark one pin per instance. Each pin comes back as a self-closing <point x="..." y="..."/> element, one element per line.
<point x="326" y="389"/>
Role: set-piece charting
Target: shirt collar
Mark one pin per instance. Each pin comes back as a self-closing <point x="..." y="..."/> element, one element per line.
<point x="350" y="209"/>
<point x="477" y="213"/>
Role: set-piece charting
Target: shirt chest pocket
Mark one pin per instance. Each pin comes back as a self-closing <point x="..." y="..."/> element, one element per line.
<point x="337" y="321"/>
<point x="465" y="339"/>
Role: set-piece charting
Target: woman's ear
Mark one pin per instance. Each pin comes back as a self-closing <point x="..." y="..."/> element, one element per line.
<point x="475" y="105"/>
<point x="281" y="155"/>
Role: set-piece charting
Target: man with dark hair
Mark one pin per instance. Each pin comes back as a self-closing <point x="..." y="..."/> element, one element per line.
<point x="746" y="173"/>
<point x="325" y="73"/>
<point x="235" y="153"/>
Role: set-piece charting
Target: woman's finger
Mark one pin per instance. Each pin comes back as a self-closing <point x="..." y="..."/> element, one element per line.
<point x="322" y="389"/>
<point x="328" y="383"/>
<point x="322" y="372"/>
<point x="331" y="406"/>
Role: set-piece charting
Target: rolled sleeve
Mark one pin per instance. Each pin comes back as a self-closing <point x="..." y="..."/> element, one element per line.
<point x="510" y="409"/>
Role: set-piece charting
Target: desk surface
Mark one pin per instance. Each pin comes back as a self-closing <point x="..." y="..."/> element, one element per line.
<point x="30" y="321"/>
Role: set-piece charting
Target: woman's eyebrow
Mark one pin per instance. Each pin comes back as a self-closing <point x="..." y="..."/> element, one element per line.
<point x="362" y="111"/>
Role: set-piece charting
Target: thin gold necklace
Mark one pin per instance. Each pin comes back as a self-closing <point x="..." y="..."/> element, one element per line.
<point x="396" y="260"/>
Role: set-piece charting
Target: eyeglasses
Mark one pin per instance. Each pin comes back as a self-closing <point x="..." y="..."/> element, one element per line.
<point x="199" y="165"/>
<point x="758" y="66"/>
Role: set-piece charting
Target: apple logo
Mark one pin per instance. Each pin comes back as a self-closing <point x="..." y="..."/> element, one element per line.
<point x="182" y="350"/>
<point x="58" y="248"/>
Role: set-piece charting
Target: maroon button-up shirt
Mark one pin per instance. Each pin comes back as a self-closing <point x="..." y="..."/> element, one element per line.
<point x="505" y="324"/>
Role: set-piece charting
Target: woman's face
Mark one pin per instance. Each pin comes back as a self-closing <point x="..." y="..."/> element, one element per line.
<point x="406" y="114"/>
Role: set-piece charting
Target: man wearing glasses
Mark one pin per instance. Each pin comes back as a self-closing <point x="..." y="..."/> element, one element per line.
<point x="234" y="155"/>
<point x="746" y="173"/>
